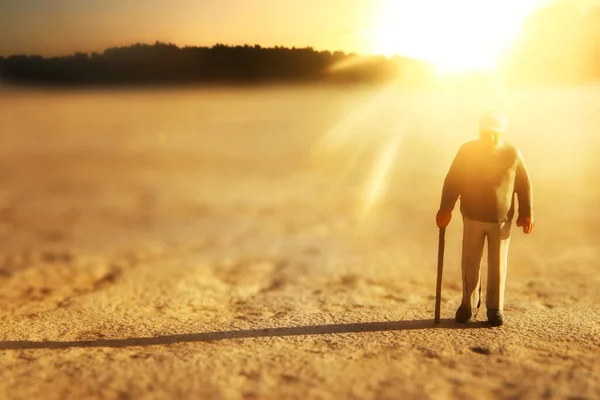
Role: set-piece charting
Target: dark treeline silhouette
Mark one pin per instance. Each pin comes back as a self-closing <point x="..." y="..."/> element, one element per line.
<point x="560" y="44"/>
<point x="167" y="63"/>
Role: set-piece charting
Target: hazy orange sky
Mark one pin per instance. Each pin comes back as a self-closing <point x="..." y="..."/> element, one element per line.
<point x="53" y="27"/>
<point x="56" y="27"/>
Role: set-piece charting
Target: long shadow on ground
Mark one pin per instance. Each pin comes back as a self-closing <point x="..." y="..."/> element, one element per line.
<point x="244" y="334"/>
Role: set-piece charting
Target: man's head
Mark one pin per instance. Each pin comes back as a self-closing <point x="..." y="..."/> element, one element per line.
<point x="492" y="125"/>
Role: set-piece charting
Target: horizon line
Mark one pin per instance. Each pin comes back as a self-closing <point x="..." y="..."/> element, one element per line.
<point x="294" y="47"/>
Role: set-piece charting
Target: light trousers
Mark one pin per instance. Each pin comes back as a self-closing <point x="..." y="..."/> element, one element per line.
<point x="498" y="239"/>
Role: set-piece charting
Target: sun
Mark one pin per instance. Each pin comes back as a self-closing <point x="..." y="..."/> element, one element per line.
<point x="455" y="36"/>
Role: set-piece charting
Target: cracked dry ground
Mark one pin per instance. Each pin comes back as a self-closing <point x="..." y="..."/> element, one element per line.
<point x="194" y="245"/>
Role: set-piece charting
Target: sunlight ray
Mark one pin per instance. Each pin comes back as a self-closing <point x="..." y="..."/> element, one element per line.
<point x="376" y="184"/>
<point x="352" y="164"/>
<point x="350" y="127"/>
<point x="348" y="63"/>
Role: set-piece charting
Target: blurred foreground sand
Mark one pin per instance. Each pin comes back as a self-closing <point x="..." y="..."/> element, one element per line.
<point x="208" y="244"/>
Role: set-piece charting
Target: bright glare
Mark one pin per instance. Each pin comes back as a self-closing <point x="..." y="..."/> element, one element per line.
<point x="457" y="35"/>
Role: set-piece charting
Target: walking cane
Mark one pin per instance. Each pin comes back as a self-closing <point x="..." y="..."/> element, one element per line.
<point x="440" y="269"/>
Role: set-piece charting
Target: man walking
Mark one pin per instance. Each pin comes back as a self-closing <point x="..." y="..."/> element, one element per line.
<point x="486" y="174"/>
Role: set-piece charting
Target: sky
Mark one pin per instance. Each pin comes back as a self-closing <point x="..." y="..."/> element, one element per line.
<point x="60" y="27"/>
<point x="56" y="27"/>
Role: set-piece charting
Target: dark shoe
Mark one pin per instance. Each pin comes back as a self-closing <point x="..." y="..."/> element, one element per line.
<point x="496" y="317"/>
<point x="463" y="314"/>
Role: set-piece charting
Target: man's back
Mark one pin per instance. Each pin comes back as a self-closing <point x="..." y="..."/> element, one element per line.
<point x="485" y="178"/>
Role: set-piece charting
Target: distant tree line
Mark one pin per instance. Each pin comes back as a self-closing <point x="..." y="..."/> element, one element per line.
<point x="166" y="63"/>
<point x="560" y="43"/>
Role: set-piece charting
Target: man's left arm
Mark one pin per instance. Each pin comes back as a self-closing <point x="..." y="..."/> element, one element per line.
<point x="525" y="195"/>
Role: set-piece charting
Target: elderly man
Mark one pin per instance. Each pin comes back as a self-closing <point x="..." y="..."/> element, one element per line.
<point x="486" y="174"/>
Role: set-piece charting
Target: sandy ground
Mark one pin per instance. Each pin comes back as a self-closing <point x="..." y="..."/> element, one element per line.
<point x="231" y="244"/>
